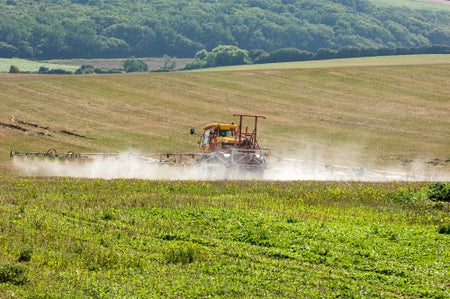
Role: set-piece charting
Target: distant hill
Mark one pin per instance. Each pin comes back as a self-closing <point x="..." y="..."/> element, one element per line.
<point x="111" y="28"/>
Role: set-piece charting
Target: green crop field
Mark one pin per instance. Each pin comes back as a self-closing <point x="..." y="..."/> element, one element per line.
<point x="65" y="237"/>
<point x="29" y="66"/>
<point x="77" y="238"/>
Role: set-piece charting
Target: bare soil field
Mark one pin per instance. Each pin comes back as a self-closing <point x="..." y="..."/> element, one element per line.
<point x="152" y="63"/>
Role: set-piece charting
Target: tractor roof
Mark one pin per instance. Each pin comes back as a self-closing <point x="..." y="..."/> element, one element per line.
<point x="231" y="126"/>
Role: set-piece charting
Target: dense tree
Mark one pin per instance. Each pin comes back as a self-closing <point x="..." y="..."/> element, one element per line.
<point x="257" y="55"/>
<point x="287" y="54"/>
<point x="229" y="55"/>
<point x="204" y="58"/>
<point x="7" y="51"/>
<point x="170" y="63"/>
<point x="222" y="55"/>
<point x="181" y="28"/>
<point x="135" y="65"/>
<point x="140" y="37"/>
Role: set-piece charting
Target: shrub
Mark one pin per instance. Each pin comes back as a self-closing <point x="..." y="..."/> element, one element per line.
<point x="25" y="254"/>
<point x="14" y="69"/>
<point x="59" y="72"/>
<point x="439" y="192"/>
<point x="43" y="70"/>
<point x="417" y="200"/>
<point x="181" y="253"/>
<point x="444" y="229"/>
<point x="195" y="64"/>
<point x="85" y="69"/>
<point x="105" y="70"/>
<point x="13" y="273"/>
<point x="287" y="54"/>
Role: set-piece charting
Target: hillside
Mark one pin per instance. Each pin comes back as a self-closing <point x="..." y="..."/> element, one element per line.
<point x="110" y="28"/>
<point x="360" y="116"/>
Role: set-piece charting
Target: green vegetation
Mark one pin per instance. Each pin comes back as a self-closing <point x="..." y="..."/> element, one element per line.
<point x="129" y="238"/>
<point x="439" y="192"/>
<point x="134" y="65"/>
<point x="231" y="55"/>
<point x="13" y="273"/>
<point x="110" y="28"/>
<point x="29" y="66"/>
<point x="219" y="56"/>
<point x="14" y="69"/>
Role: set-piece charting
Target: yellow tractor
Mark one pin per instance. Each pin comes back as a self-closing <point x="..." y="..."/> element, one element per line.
<point x="232" y="144"/>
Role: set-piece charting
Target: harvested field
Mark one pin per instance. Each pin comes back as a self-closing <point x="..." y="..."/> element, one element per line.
<point x="394" y="117"/>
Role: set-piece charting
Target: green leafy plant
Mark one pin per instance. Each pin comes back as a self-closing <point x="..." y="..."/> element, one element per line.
<point x="25" y="254"/>
<point x="444" y="229"/>
<point x="439" y="192"/>
<point x="13" y="273"/>
<point x="181" y="253"/>
<point x="222" y="239"/>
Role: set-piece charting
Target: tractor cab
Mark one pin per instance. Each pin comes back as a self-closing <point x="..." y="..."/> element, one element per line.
<point x="217" y="136"/>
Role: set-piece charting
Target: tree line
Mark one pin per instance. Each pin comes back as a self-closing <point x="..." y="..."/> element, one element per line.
<point x="51" y="29"/>
<point x="225" y="55"/>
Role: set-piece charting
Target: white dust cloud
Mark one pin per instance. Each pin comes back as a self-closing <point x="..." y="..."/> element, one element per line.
<point x="132" y="167"/>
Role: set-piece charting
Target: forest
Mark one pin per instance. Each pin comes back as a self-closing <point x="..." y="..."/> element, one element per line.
<point x="56" y="29"/>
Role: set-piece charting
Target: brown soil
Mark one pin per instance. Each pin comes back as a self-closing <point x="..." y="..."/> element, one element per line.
<point x="152" y="63"/>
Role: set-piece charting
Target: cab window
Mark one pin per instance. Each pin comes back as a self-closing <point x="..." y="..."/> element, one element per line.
<point x="226" y="133"/>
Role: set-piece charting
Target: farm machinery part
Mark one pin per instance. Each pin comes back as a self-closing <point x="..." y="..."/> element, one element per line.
<point x="226" y="145"/>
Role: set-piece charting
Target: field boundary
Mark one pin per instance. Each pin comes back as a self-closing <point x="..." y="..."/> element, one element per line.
<point x="155" y="63"/>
